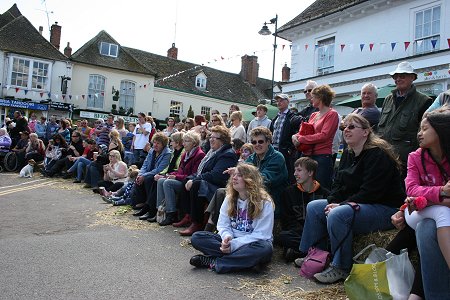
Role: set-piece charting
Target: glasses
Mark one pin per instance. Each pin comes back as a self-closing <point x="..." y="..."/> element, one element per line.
<point x="399" y="76"/>
<point x="254" y="142"/>
<point x="214" y="138"/>
<point x="307" y="91"/>
<point x="75" y="136"/>
<point x="349" y="127"/>
<point x="216" y="120"/>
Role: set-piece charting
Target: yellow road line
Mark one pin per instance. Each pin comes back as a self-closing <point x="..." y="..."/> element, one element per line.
<point x="25" y="188"/>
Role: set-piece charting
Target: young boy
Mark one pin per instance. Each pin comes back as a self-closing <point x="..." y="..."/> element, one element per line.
<point x="293" y="206"/>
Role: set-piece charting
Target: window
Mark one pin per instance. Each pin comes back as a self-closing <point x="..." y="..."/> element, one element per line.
<point x="427" y="29"/>
<point x="200" y="81"/>
<point x="325" y="56"/>
<point x="176" y="108"/>
<point x="96" y="91"/>
<point x="29" y="73"/>
<point x="206" y="111"/>
<point x="127" y="94"/>
<point x="109" y="49"/>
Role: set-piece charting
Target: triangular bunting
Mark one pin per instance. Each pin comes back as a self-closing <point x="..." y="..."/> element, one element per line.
<point x="393" y="45"/>
<point x="70" y="97"/>
<point x="361" y="46"/>
<point x="17" y="90"/>
<point x="103" y="93"/>
<point x="25" y="91"/>
<point x="419" y="42"/>
<point x="83" y="96"/>
<point x="306" y="45"/>
<point x="63" y="96"/>
<point x="448" y="42"/>
<point x="282" y="47"/>
<point x="433" y="43"/>
<point x="41" y="93"/>
<point x="371" y="47"/>
<point x="407" y="45"/>
<point x="342" y="47"/>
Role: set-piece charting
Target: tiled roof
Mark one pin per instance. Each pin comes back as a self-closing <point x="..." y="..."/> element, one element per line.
<point x="318" y="9"/>
<point x="89" y="54"/>
<point x="18" y="35"/>
<point x="220" y="84"/>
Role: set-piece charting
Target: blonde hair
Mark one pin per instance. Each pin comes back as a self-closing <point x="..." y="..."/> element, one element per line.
<point x="193" y="136"/>
<point x="218" y="116"/>
<point x="257" y="193"/>
<point x="236" y="115"/>
<point x="116" y="154"/>
<point x="133" y="172"/>
<point x="177" y="137"/>
<point x="114" y="135"/>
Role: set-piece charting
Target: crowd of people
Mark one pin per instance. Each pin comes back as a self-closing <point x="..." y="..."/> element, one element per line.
<point x="238" y="188"/>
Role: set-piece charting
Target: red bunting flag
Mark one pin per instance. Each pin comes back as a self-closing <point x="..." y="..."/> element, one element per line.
<point x="17" y="90"/>
<point x="64" y="96"/>
<point x="342" y="47"/>
<point x="145" y="86"/>
<point x="371" y="46"/>
<point x="282" y="47"/>
<point x="41" y="93"/>
<point x="407" y="45"/>
<point x="306" y="45"/>
<point x="103" y="94"/>
<point x="448" y="42"/>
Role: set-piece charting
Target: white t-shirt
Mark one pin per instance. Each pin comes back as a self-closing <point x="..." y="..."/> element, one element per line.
<point x="141" y="139"/>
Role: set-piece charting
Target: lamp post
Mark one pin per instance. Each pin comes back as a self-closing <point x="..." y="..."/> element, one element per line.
<point x="265" y="31"/>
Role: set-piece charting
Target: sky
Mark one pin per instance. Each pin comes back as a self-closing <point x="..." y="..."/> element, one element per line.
<point x="208" y="32"/>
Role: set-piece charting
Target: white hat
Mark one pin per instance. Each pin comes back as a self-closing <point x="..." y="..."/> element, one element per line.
<point x="282" y="96"/>
<point x="403" y="68"/>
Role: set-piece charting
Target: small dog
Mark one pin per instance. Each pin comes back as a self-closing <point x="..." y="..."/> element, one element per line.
<point x="27" y="171"/>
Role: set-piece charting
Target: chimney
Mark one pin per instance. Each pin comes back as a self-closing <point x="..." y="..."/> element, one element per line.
<point x="285" y="73"/>
<point x="41" y="29"/>
<point x="249" y="68"/>
<point x="55" y="35"/>
<point x="172" y="52"/>
<point x="68" y="50"/>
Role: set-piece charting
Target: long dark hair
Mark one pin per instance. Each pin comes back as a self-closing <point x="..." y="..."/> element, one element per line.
<point x="440" y="120"/>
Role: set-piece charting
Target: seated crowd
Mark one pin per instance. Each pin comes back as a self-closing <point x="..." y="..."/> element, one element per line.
<point x="237" y="199"/>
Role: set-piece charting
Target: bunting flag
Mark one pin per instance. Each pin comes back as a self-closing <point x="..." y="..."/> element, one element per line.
<point x="89" y="96"/>
<point x="419" y="42"/>
<point x="407" y="45"/>
<point x="316" y="46"/>
<point x="63" y="96"/>
<point x="393" y="45"/>
<point x="145" y="86"/>
<point x="448" y="42"/>
<point x="282" y="47"/>
<point x="41" y="93"/>
<point x="342" y="47"/>
<point x="25" y="91"/>
<point x="371" y="47"/>
<point x="290" y="47"/>
<point x="49" y="95"/>
<point x="70" y="97"/>
<point x="361" y="46"/>
<point x="17" y="90"/>
<point x="82" y="96"/>
<point x="433" y="43"/>
<point x="306" y="45"/>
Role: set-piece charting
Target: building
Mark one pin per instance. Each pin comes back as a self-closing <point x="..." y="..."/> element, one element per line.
<point x="32" y="69"/>
<point x="348" y="43"/>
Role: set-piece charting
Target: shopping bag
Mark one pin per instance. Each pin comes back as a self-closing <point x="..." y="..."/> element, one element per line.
<point x="384" y="275"/>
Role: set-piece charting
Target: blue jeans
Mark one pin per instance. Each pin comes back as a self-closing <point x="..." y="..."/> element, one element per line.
<point x="246" y="257"/>
<point x="167" y="189"/>
<point x="435" y="272"/>
<point x="137" y="153"/>
<point x="369" y="218"/>
<point x="79" y="165"/>
<point x="92" y="175"/>
<point x="324" y="172"/>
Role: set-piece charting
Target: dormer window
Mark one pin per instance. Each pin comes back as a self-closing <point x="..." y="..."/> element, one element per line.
<point x="200" y="81"/>
<point x="109" y="49"/>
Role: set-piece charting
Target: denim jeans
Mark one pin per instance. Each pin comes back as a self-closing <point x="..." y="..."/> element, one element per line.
<point x="435" y="272"/>
<point x="324" y="172"/>
<point x="246" y="257"/>
<point x="167" y="189"/>
<point x="79" y="165"/>
<point x="136" y="155"/>
<point x="92" y="175"/>
<point x="369" y="218"/>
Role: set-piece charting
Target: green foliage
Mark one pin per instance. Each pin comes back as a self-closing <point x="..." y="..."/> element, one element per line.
<point x="190" y="113"/>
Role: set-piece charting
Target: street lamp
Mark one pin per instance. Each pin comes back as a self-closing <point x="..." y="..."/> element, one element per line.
<point x="265" y="31"/>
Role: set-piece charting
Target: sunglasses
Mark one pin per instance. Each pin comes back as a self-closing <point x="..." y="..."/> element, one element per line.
<point x="307" y="91"/>
<point x="349" y="127"/>
<point x="254" y="142"/>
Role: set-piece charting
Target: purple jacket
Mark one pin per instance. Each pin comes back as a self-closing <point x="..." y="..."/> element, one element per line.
<point x="424" y="183"/>
<point x="5" y="141"/>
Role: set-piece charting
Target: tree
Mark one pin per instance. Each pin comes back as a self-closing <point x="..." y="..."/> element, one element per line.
<point x="190" y="113"/>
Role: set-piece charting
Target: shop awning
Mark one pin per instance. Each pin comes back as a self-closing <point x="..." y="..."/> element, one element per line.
<point x="271" y="113"/>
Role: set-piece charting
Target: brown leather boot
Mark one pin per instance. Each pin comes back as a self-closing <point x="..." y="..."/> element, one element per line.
<point x="191" y="229"/>
<point x="185" y="222"/>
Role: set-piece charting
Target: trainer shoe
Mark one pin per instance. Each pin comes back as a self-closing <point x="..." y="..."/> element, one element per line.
<point x="298" y="262"/>
<point x="331" y="275"/>
<point x="203" y="261"/>
<point x="107" y="199"/>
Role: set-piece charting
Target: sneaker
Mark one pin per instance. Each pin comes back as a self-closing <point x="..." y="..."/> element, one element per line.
<point x="203" y="261"/>
<point x="77" y="181"/>
<point x="331" y="275"/>
<point x="115" y="203"/>
<point x="298" y="262"/>
<point x="107" y="199"/>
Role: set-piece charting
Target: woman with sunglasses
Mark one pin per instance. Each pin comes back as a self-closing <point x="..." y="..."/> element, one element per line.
<point x="366" y="192"/>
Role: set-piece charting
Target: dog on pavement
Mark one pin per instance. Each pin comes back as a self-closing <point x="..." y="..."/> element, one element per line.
<point x="27" y="171"/>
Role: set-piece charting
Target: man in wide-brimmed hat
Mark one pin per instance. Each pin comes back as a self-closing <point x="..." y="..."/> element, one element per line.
<point x="402" y="112"/>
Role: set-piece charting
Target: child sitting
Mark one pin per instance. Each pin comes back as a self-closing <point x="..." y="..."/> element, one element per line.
<point x="123" y="195"/>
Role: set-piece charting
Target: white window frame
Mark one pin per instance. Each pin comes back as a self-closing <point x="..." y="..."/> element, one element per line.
<point x="205" y="111"/>
<point x="96" y="89"/>
<point x="31" y="74"/>
<point x="325" y="55"/>
<point x="200" y="81"/>
<point x="422" y="39"/>
<point x="176" y="108"/>
<point x="109" y="49"/>
<point x="127" y="94"/>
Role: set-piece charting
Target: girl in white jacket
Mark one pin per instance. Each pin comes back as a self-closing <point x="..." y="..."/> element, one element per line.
<point x="245" y="226"/>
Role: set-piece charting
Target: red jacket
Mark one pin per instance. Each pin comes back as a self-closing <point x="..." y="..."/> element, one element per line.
<point x="190" y="166"/>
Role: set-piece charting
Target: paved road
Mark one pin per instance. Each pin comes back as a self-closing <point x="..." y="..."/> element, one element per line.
<point x="60" y="241"/>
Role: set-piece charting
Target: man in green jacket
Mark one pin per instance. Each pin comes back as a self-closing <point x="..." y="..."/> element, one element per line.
<point x="402" y="112"/>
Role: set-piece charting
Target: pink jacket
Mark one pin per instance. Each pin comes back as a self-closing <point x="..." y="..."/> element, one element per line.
<point x="325" y="129"/>
<point x="421" y="183"/>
